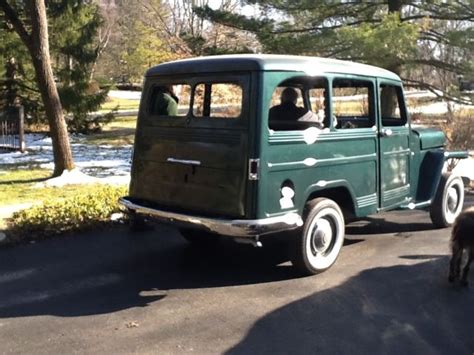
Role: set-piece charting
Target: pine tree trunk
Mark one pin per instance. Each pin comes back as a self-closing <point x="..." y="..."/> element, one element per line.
<point x="49" y="93"/>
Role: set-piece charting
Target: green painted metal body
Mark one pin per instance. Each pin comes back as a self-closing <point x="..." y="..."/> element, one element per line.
<point x="364" y="170"/>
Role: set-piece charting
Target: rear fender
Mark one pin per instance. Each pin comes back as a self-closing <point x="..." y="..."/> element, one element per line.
<point x="337" y="190"/>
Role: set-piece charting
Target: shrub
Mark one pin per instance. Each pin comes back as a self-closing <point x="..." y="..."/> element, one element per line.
<point x="75" y="213"/>
<point x="460" y="132"/>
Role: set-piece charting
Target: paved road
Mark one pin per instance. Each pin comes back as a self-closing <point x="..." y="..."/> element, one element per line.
<point x="114" y="292"/>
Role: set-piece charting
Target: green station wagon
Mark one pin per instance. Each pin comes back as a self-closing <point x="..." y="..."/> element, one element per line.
<point x="252" y="145"/>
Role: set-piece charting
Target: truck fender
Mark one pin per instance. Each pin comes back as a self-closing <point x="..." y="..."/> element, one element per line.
<point x="431" y="169"/>
<point x="338" y="190"/>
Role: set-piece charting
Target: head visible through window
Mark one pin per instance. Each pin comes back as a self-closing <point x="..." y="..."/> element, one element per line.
<point x="289" y="95"/>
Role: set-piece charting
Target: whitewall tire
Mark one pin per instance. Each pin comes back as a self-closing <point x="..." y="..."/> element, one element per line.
<point x="320" y="241"/>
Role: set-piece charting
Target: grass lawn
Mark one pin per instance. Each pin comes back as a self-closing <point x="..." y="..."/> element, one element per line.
<point x="121" y="131"/>
<point x="122" y="104"/>
<point x="18" y="186"/>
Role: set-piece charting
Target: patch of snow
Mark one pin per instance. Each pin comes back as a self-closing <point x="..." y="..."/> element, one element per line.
<point x="78" y="177"/>
<point x="437" y="108"/>
<point x="101" y="161"/>
<point x="116" y="216"/>
<point x="465" y="167"/>
<point x="124" y="94"/>
<point x="11" y="158"/>
<point x="116" y="180"/>
<point x="73" y="177"/>
<point x="8" y="211"/>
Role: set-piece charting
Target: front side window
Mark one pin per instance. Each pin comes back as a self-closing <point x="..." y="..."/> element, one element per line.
<point x="352" y="103"/>
<point x="217" y="100"/>
<point x="170" y="100"/>
<point x="390" y="105"/>
<point x="317" y="100"/>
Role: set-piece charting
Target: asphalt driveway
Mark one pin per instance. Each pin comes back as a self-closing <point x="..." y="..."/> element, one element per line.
<point x="118" y="292"/>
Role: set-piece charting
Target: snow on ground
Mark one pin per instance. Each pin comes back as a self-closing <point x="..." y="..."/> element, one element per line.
<point x="465" y="168"/>
<point x="124" y="94"/>
<point x="77" y="177"/>
<point x="7" y="211"/>
<point x="437" y="108"/>
<point x="93" y="161"/>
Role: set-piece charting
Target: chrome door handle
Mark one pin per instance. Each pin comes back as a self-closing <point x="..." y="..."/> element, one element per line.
<point x="386" y="132"/>
<point x="183" y="161"/>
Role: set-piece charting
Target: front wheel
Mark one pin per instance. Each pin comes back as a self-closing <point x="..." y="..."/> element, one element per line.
<point x="448" y="201"/>
<point x="320" y="241"/>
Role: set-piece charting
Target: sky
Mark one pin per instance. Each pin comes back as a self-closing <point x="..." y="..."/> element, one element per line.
<point x="247" y="10"/>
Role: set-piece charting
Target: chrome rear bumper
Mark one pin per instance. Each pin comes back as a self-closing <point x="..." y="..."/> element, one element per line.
<point x="237" y="228"/>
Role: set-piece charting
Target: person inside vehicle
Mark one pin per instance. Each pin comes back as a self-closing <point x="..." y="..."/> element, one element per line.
<point x="166" y="102"/>
<point x="287" y="110"/>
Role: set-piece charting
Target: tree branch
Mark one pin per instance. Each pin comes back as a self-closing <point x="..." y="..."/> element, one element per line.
<point x="440" y="93"/>
<point x="436" y="63"/>
<point x="445" y="17"/>
<point x="12" y="16"/>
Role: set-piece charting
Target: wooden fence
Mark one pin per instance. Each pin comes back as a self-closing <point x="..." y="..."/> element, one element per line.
<point x="12" y="129"/>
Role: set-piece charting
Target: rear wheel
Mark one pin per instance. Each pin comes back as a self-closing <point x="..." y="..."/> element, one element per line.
<point x="448" y="201"/>
<point x="320" y="241"/>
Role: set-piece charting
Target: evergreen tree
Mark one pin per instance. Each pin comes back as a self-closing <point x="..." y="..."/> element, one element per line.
<point x="17" y="76"/>
<point x="73" y="41"/>
<point x="406" y="37"/>
<point x="73" y="31"/>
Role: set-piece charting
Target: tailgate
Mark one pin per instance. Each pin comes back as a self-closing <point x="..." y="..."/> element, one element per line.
<point x="197" y="169"/>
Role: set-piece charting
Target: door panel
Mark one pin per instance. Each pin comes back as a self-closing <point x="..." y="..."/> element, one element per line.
<point x="394" y="143"/>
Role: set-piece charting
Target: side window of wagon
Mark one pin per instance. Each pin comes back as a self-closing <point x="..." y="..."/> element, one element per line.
<point x="276" y="96"/>
<point x="298" y="103"/>
<point x="391" y="105"/>
<point x="218" y="100"/>
<point x="352" y="102"/>
<point x="170" y="100"/>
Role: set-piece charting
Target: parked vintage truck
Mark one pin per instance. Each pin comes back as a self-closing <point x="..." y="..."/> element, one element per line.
<point x="210" y="158"/>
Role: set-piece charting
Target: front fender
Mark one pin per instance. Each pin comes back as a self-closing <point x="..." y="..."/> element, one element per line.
<point x="431" y="169"/>
<point x="429" y="175"/>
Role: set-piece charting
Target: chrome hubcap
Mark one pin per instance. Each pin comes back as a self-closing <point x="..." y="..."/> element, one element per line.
<point x="322" y="236"/>
<point x="453" y="199"/>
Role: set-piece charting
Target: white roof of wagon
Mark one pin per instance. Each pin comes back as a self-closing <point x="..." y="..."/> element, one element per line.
<point x="310" y="65"/>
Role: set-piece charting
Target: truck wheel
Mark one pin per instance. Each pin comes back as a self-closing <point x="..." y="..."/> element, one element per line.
<point x="448" y="201"/>
<point x="320" y="241"/>
<point x="199" y="237"/>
